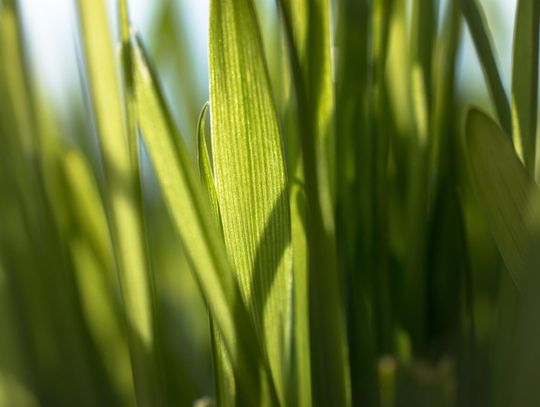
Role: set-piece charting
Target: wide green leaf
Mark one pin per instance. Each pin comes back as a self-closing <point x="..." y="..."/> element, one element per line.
<point x="191" y="213"/>
<point x="503" y="188"/>
<point x="250" y="176"/>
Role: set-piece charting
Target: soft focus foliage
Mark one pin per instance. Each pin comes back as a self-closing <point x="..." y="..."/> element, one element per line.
<point x="341" y="228"/>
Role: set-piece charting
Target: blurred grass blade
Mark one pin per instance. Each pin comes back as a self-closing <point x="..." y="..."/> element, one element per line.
<point x="525" y="81"/>
<point x="503" y="188"/>
<point x="250" y="175"/>
<point x="481" y="36"/>
<point x="121" y="193"/>
<point x="192" y="215"/>
<point x="330" y="374"/>
<point x="90" y="247"/>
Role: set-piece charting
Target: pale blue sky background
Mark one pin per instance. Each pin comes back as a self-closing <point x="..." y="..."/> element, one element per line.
<point x="52" y="36"/>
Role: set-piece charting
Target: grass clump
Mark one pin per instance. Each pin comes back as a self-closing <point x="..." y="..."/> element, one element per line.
<point x="341" y="228"/>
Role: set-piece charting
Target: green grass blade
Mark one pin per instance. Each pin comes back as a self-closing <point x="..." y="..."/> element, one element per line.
<point x="122" y="195"/>
<point x="192" y="216"/>
<point x="223" y="373"/>
<point x="90" y="247"/>
<point x="329" y="367"/>
<point x="503" y="188"/>
<point x="479" y="30"/>
<point x="205" y="167"/>
<point x="250" y="175"/>
<point x="525" y="81"/>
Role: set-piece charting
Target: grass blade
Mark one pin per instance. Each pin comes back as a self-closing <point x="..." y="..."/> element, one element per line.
<point x="476" y="22"/>
<point x="122" y="197"/>
<point x="329" y="367"/>
<point x="205" y="167"/>
<point x="250" y="175"/>
<point x="525" y="81"/>
<point x="503" y="188"/>
<point x="199" y="232"/>
<point x="223" y="373"/>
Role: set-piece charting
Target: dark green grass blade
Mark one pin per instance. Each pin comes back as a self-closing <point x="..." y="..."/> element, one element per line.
<point x="503" y="188"/>
<point x="329" y="360"/>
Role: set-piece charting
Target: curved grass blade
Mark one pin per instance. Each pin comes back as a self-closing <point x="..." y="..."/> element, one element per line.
<point x="525" y="81"/>
<point x="250" y="175"/>
<point x="192" y="215"/>
<point x="223" y="373"/>
<point x="205" y="167"/>
<point x="478" y="28"/>
<point x="503" y="188"/>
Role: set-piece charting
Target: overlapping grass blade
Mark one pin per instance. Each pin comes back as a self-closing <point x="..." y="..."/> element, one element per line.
<point x="525" y="81"/>
<point x="481" y="36"/>
<point x="91" y="250"/>
<point x="250" y="176"/>
<point x="205" y="167"/>
<point x="329" y="367"/>
<point x="192" y="215"/>
<point x="503" y="188"/>
<point x="124" y="204"/>
<point x="224" y="376"/>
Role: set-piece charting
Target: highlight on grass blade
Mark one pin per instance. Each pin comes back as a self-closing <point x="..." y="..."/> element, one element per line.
<point x="191" y="212"/>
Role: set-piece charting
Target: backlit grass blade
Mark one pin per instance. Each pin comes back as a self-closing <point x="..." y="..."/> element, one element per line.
<point x="525" y="81"/>
<point x="123" y="200"/>
<point x="223" y="373"/>
<point x="90" y="247"/>
<point x="481" y="36"/>
<point x="250" y="175"/>
<point x="191" y="212"/>
<point x="503" y="188"/>
<point x="205" y="167"/>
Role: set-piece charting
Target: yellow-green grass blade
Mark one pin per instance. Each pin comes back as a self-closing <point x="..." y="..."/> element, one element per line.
<point x="124" y="205"/>
<point x="91" y="250"/>
<point x="481" y="36"/>
<point x="525" y="81"/>
<point x="424" y="29"/>
<point x="205" y="166"/>
<point x="503" y="188"/>
<point x="223" y="373"/>
<point x="192" y="215"/>
<point x="250" y="176"/>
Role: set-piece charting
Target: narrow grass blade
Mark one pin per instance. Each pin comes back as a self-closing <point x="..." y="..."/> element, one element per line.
<point x="503" y="188"/>
<point x="205" y="167"/>
<point x="250" y="175"/>
<point x="330" y="374"/>
<point x="122" y="195"/>
<point x="223" y="372"/>
<point x="481" y="36"/>
<point x="525" y="81"/>
<point x="191" y="212"/>
<point x="91" y="249"/>
<point x="424" y="29"/>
